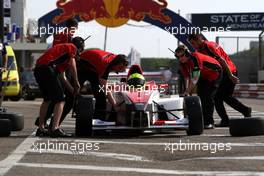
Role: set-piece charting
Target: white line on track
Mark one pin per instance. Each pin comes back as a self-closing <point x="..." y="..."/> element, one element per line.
<point x="152" y="143"/>
<point x="216" y="135"/>
<point x="17" y="154"/>
<point x="118" y="156"/>
<point x="227" y="158"/>
<point x="138" y="170"/>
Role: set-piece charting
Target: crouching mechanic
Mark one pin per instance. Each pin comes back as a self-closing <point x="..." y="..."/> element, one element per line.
<point x="94" y="66"/>
<point x="48" y="72"/>
<point x="65" y="36"/>
<point x="227" y="85"/>
<point x="206" y="73"/>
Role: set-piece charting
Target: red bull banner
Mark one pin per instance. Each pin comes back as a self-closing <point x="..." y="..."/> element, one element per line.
<point x="112" y="13"/>
<point x="115" y="13"/>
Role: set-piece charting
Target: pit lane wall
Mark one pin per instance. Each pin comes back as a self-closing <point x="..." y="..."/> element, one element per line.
<point x="249" y="91"/>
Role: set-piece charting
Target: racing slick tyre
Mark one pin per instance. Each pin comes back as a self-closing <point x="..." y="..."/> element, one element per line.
<point x="5" y="127"/>
<point x="246" y="126"/>
<point x="17" y="120"/>
<point x="193" y="111"/>
<point x="84" y="116"/>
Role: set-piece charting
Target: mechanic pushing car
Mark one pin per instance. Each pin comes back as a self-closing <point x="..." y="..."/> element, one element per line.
<point x="48" y="72"/>
<point x="63" y="37"/>
<point x="94" y="66"/>
<point x="227" y="85"/>
<point x="205" y="72"/>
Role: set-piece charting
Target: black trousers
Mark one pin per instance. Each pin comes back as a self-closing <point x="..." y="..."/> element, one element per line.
<point x="225" y="94"/>
<point x="206" y="90"/>
<point x="67" y="107"/>
<point x="86" y="73"/>
<point x="181" y="84"/>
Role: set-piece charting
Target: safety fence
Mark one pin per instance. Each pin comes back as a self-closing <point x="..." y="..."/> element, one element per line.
<point x="249" y="91"/>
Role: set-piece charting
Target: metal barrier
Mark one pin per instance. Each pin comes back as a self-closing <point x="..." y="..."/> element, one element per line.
<point x="249" y="91"/>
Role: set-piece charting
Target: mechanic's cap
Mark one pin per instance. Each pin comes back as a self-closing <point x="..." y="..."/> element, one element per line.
<point x="79" y="43"/>
<point x="137" y="80"/>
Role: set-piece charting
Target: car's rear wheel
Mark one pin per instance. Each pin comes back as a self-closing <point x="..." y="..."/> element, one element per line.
<point x="193" y="111"/>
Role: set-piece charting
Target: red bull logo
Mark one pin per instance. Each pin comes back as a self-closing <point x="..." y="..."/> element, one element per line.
<point x="112" y="13"/>
<point x="87" y="10"/>
<point x="138" y="9"/>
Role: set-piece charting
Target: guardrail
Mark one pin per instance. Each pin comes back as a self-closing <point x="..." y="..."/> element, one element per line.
<point x="249" y="91"/>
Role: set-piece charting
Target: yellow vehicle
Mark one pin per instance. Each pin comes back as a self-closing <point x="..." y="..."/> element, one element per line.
<point x="12" y="90"/>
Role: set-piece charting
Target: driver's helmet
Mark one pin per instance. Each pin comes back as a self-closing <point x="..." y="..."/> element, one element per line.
<point x="136" y="80"/>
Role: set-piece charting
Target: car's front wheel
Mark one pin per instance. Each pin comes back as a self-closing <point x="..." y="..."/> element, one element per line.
<point x="193" y="111"/>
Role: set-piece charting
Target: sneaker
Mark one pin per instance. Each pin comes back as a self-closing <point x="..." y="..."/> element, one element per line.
<point x="209" y="126"/>
<point x="222" y="124"/>
<point x="42" y="133"/>
<point x="248" y="112"/>
<point x="59" y="133"/>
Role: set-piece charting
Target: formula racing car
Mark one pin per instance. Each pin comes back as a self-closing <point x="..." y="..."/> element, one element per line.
<point x="142" y="108"/>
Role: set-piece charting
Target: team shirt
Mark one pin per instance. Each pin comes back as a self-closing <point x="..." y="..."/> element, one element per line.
<point x="209" y="67"/>
<point x="100" y="61"/>
<point x="214" y="50"/>
<point x="62" y="37"/>
<point x="58" y="56"/>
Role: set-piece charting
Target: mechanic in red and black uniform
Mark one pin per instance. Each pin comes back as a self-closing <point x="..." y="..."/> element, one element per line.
<point x="71" y="25"/>
<point x="206" y="73"/>
<point x="94" y="66"/>
<point x="47" y="73"/>
<point x="65" y="36"/>
<point x="227" y="86"/>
